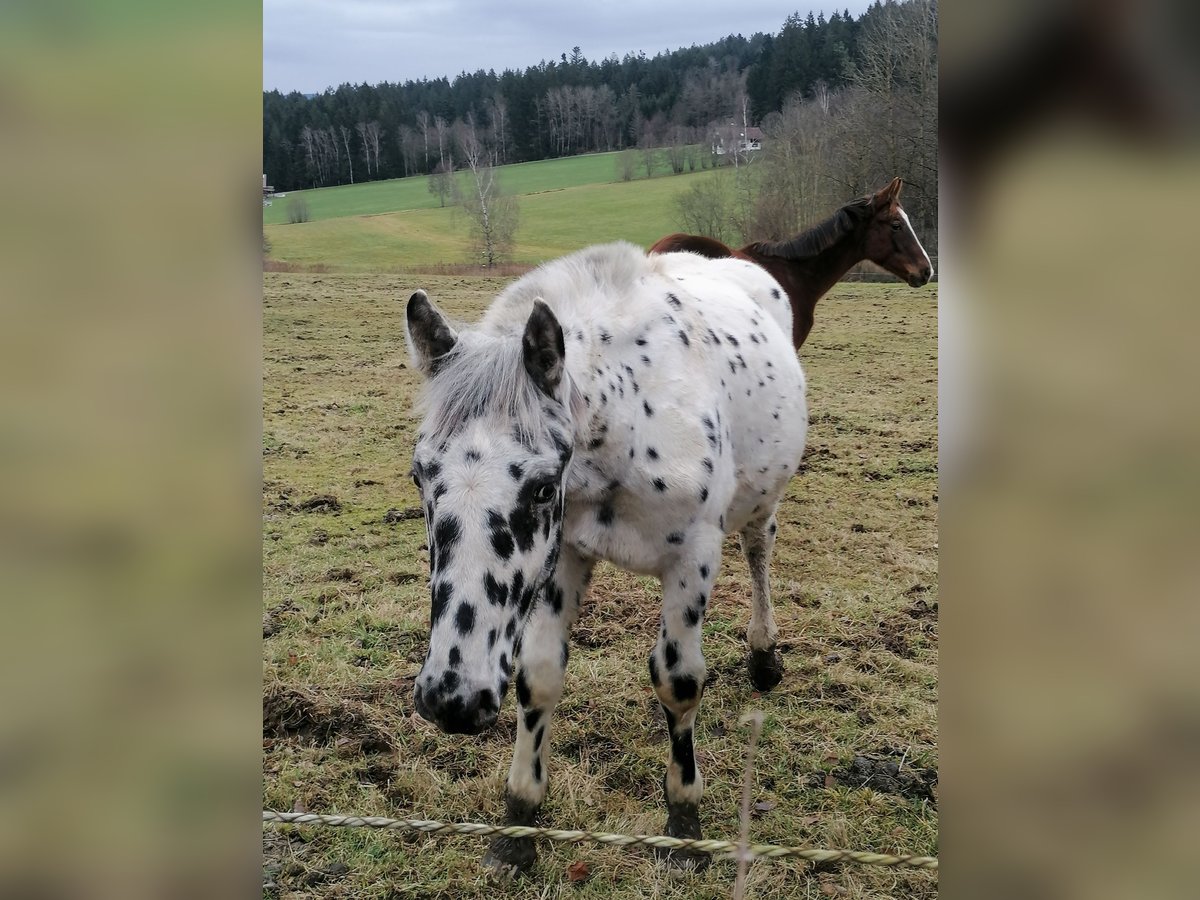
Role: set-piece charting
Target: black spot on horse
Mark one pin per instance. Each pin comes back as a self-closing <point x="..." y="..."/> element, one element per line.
<point x="654" y="679"/>
<point x="510" y="629"/>
<point x="671" y="654"/>
<point x="703" y="495"/>
<point x="522" y="521"/>
<point x="446" y="535"/>
<point x="775" y="293"/>
<point x="692" y="616"/>
<point x="660" y="485"/>
<point x="684" y="687"/>
<point x="707" y="463"/>
<point x="505" y="665"/>
<point x="473" y="456"/>
<point x="537" y="738"/>
<point x="605" y="337"/>
<point x="497" y="591"/>
<point x="641" y="342"/>
<point x="532" y="716"/>
<point x="454" y="657"/>
<point x="502" y="541"/>
<point x="605" y="514"/>
<point x="537" y="768"/>
<point x="683" y="338"/>
<point x="515" y="470"/>
<point x="449" y="681"/>
<point x="492" y="638"/>
<point x="675" y="537"/>
<point x="729" y="337"/>
<point x="464" y="619"/>
<point x="523" y="695"/>
<point x="564" y="654"/>
<point x="773" y="527"/>
<point x="442" y="592"/>
<point x="704" y="570"/>
<point x="684" y="755"/>
<point x="652" y="453"/>
<point x="645" y="360"/>
<point x="554" y="596"/>
<point x="674" y="301"/>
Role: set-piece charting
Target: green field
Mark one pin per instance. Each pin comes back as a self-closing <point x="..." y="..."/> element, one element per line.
<point x="398" y="225"/>
<point x="346" y="611"/>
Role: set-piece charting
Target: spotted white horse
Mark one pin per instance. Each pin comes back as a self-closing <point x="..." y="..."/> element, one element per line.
<point x="609" y="405"/>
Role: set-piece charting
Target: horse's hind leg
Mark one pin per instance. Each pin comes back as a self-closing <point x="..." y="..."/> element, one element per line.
<point x="765" y="663"/>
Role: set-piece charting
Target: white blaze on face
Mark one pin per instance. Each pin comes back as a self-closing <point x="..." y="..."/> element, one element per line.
<point x="908" y="225"/>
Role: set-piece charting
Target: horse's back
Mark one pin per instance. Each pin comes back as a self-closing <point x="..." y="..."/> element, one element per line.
<point x="679" y="242"/>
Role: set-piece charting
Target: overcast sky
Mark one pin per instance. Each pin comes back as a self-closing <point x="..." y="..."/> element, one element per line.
<point x="309" y="45"/>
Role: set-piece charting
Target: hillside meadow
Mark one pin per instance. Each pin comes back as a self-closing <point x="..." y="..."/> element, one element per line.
<point x="848" y="756"/>
<point x="565" y="204"/>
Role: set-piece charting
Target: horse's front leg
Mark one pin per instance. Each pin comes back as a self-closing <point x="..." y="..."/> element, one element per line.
<point x="678" y="672"/>
<point x="542" y="662"/>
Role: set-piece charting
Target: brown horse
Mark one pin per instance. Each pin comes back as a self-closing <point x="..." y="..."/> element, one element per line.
<point x="873" y="227"/>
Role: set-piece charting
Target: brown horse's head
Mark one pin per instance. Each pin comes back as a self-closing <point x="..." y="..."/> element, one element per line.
<point x="891" y="241"/>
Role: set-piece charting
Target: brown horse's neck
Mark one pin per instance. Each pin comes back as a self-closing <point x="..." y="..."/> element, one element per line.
<point x="807" y="279"/>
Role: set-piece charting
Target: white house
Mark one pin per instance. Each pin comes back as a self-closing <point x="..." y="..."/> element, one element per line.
<point x="747" y="140"/>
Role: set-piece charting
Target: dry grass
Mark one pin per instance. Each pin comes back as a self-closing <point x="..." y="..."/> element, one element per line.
<point x="346" y="610"/>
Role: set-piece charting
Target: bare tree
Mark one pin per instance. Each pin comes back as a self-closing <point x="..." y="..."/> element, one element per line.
<point x="345" y="133"/>
<point x="361" y="128"/>
<point x="706" y="207"/>
<point x="626" y="162"/>
<point x="498" y="110"/>
<point x="442" y="130"/>
<point x="410" y="149"/>
<point x="491" y="214"/>
<point x="676" y="148"/>
<point x="423" y="126"/>
<point x="373" y="138"/>
<point x="441" y="183"/>
<point x="297" y="210"/>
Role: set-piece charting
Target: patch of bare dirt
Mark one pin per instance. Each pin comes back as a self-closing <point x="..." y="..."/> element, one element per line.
<point x="392" y="516"/>
<point x="886" y="774"/>
<point x="292" y="714"/>
<point x="273" y="619"/>
<point x="322" y="503"/>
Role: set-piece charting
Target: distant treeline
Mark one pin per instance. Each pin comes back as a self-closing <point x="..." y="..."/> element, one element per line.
<point x="358" y="133"/>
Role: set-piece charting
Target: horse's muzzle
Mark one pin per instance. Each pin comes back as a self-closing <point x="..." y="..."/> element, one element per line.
<point x="455" y="713"/>
<point x="921" y="278"/>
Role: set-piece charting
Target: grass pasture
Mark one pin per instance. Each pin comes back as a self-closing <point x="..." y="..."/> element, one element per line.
<point x="848" y="755"/>
<point x="392" y="226"/>
<point x="400" y="194"/>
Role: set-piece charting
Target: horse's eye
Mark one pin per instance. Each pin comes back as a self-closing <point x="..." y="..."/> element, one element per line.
<point x="545" y="492"/>
<point x="896" y="226"/>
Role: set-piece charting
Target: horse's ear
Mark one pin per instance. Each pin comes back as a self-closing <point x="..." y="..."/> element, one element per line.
<point x="430" y="337"/>
<point x="889" y="194"/>
<point x="544" y="350"/>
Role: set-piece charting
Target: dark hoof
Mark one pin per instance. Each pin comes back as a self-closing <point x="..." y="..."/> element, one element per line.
<point x="766" y="669"/>
<point x="510" y="857"/>
<point x="683" y="821"/>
